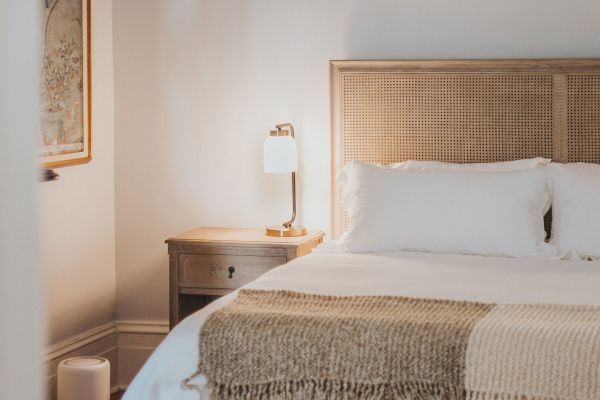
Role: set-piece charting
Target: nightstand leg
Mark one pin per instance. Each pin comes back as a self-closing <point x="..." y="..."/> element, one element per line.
<point x="173" y="290"/>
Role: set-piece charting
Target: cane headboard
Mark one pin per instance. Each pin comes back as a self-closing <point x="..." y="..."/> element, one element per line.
<point x="462" y="111"/>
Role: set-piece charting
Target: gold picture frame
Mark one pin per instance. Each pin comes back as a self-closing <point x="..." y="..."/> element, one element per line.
<point x="66" y="84"/>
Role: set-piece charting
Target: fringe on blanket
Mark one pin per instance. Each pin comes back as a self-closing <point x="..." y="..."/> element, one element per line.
<point x="197" y="382"/>
<point x="475" y="395"/>
<point x="331" y="390"/>
<point x="328" y="390"/>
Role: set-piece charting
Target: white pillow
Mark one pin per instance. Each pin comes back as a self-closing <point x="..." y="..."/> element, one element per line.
<point x="576" y="208"/>
<point x="488" y="213"/>
<point x="516" y="165"/>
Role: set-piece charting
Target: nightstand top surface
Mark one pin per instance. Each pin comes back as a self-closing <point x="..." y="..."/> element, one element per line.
<point x="241" y="236"/>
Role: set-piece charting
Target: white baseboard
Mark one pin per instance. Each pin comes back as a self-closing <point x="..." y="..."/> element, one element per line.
<point x="136" y="341"/>
<point x="126" y="344"/>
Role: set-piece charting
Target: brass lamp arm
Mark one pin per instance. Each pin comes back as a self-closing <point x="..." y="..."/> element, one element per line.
<point x="286" y="125"/>
<point x="289" y="223"/>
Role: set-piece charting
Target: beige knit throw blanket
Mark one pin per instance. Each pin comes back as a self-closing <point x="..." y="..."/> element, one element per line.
<point x="294" y="346"/>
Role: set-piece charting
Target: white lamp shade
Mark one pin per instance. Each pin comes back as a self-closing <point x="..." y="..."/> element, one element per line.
<point x="280" y="154"/>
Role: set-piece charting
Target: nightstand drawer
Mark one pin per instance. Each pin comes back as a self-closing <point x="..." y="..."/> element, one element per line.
<point x="212" y="271"/>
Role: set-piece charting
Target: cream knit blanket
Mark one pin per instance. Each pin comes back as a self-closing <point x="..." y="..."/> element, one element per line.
<point x="287" y="345"/>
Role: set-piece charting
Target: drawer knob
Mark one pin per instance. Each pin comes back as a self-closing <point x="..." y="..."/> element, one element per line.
<point x="231" y="270"/>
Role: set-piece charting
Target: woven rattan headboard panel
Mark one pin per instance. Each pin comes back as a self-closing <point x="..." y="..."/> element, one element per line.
<point x="462" y="111"/>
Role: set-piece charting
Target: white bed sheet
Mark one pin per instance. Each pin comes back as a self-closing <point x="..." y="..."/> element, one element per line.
<point x="325" y="271"/>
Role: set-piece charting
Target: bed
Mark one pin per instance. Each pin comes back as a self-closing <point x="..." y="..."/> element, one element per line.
<point x="327" y="271"/>
<point x="453" y="111"/>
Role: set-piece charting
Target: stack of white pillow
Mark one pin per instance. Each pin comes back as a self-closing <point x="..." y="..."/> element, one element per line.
<point x="492" y="209"/>
<point x="575" y="191"/>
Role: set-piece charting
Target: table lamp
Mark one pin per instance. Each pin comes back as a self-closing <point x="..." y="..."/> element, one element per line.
<point x="281" y="156"/>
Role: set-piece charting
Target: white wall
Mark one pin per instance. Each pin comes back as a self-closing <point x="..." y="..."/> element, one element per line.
<point x="200" y="82"/>
<point x="78" y="213"/>
<point x="21" y="328"/>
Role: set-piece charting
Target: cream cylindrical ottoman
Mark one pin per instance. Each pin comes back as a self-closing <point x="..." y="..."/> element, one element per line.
<point x="84" y="378"/>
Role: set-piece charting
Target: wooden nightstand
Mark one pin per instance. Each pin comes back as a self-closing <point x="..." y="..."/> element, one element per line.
<point x="206" y="263"/>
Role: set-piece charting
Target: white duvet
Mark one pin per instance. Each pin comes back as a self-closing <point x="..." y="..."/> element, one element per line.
<point x="456" y="277"/>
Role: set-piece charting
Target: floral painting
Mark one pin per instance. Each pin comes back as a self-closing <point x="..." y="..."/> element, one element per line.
<point x="65" y="136"/>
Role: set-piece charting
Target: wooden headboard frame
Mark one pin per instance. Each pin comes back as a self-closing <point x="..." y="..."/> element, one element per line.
<point x="462" y="111"/>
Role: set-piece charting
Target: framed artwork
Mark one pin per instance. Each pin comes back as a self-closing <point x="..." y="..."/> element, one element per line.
<point x="66" y="92"/>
